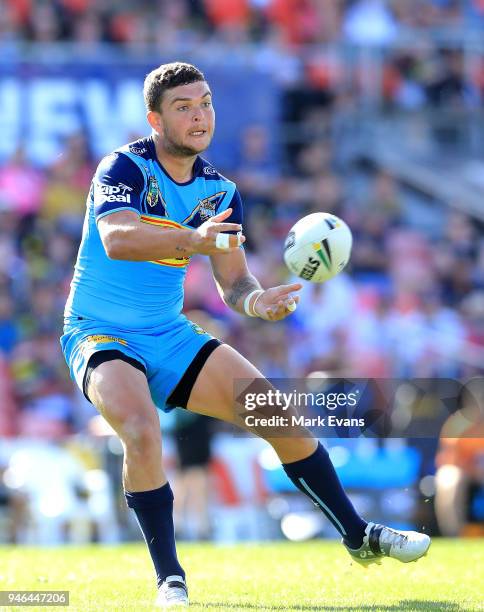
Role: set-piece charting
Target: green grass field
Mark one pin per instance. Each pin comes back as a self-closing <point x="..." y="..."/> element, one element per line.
<point x="281" y="576"/>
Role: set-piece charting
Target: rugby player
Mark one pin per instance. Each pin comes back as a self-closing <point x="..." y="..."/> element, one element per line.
<point x="153" y="204"/>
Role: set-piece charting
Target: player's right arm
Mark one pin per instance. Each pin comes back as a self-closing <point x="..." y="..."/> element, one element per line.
<point x="124" y="236"/>
<point x="118" y="189"/>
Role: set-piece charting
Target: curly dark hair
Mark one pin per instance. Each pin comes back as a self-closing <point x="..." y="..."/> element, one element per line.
<point x="166" y="77"/>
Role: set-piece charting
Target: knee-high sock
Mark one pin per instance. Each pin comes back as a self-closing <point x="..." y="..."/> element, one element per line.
<point x="316" y="477"/>
<point x="154" y="511"/>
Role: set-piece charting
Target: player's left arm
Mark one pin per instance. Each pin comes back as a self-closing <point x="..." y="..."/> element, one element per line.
<point x="235" y="282"/>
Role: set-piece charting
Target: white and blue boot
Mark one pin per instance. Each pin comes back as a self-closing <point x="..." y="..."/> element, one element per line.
<point x="380" y="541"/>
<point x="173" y="593"/>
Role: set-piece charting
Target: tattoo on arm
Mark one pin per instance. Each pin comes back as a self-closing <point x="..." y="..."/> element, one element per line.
<point x="241" y="287"/>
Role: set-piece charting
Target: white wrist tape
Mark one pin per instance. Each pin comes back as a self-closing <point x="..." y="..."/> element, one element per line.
<point x="255" y="302"/>
<point x="222" y="241"/>
<point x="247" y="309"/>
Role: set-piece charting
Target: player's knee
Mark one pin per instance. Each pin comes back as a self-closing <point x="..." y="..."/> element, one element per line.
<point x="140" y="435"/>
<point x="127" y="408"/>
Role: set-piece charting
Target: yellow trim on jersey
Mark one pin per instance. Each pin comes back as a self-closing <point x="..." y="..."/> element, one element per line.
<point x="181" y="262"/>
<point x="161" y="221"/>
<point x="173" y="263"/>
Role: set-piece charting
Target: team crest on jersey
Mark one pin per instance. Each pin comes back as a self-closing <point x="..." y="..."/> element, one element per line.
<point x="153" y="192"/>
<point x="207" y="206"/>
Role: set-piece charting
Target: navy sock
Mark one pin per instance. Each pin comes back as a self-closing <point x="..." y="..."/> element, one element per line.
<point x="316" y="477"/>
<point x="154" y="511"/>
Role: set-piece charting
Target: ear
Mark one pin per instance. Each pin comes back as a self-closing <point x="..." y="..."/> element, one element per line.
<point x="154" y="119"/>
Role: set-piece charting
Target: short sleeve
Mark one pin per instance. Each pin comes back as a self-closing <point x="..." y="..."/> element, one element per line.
<point x="118" y="185"/>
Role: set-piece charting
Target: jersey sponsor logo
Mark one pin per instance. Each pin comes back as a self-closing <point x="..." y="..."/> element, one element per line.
<point x="207" y="206"/>
<point x="153" y="192"/>
<point x="114" y="193"/>
<point x="137" y="150"/>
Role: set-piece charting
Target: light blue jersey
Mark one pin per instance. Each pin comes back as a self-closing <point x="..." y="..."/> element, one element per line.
<point x="134" y="308"/>
<point x="142" y="295"/>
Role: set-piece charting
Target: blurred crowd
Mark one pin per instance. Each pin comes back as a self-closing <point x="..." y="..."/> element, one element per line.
<point x="294" y="21"/>
<point x="327" y="44"/>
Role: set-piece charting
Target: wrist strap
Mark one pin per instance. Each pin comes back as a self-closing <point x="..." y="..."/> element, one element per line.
<point x="248" y="310"/>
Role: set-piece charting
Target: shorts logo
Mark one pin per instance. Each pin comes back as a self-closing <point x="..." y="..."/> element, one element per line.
<point x="114" y="193"/>
<point x="197" y="329"/>
<point x="100" y="339"/>
<point x="207" y="206"/>
<point x="153" y="192"/>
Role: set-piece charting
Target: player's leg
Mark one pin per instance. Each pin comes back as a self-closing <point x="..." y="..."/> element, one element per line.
<point x="304" y="460"/>
<point x="120" y="393"/>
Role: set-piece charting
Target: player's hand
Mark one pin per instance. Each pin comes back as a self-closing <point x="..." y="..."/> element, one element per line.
<point x="277" y="303"/>
<point x="204" y="238"/>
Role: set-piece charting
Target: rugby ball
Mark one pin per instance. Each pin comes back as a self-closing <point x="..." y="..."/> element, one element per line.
<point x="318" y="247"/>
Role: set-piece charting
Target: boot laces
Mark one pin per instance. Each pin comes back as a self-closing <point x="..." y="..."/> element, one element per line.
<point x="391" y="538"/>
<point x="175" y="593"/>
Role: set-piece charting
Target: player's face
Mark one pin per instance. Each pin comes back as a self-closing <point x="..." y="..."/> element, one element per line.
<point x="187" y="119"/>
